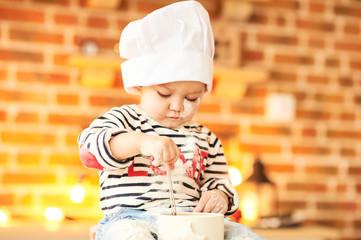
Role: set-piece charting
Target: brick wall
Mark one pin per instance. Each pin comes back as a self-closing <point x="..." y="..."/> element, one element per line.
<point x="310" y="48"/>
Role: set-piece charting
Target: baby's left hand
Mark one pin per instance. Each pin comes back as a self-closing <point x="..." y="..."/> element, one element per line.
<point x="214" y="201"/>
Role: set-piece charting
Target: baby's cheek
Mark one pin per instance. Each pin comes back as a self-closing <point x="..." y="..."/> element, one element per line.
<point x="190" y="108"/>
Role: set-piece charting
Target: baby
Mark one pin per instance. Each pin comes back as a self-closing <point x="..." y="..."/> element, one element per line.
<point x="170" y="65"/>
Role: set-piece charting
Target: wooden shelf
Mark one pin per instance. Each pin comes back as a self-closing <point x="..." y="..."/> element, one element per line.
<point x="229" y="82"/>
<point x="107" y="62"/>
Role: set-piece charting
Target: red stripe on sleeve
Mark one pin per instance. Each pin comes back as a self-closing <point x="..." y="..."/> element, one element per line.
<point x="88" y="159"/>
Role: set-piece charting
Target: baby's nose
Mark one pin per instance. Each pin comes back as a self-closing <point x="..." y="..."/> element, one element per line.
<point x="177" y="105"/>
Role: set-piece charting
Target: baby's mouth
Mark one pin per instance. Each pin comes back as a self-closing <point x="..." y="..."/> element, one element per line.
<point x="175" y="118"/>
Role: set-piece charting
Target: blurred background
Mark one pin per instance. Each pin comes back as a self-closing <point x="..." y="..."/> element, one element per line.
<point x="286" y="104"/>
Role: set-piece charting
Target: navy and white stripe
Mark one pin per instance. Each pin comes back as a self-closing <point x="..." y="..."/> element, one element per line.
<point x="149" y="191"/>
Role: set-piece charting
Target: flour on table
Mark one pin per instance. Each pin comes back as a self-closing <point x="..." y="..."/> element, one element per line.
<point x="127" y="229"/>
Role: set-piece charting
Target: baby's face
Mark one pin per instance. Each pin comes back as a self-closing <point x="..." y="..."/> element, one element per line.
<point x="172" y="104"/>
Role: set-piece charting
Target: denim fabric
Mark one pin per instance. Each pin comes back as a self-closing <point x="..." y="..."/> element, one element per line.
<point x="232" y="230"/>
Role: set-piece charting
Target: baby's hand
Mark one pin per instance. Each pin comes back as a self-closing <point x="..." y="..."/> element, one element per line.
<point x="161" y="148"/>
<point x="214" y="201"/>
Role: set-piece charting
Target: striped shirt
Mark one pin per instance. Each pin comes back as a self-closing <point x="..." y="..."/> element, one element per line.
<point x="135" y="183"/>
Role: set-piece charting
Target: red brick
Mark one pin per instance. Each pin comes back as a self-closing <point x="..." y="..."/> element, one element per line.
<point x="354" y="171"/>
<point x="347" y="116"/>
<point x="318" y="115"/>
<point x="67" y="99"/>
<point x="357" y="100"/>
<point x="315" y="25"/>
<point x="348" y="46"/>
<point x="268" y="130"/>
<point x="352" y="28"/>
<point x="258" y="148"/>
<point x="118" y="80"/>
<point x="300" y="96"/>
<point x="64" y="159"/>
<point x="309" y="187"/>
<point x="358" y="188"/>
<point x="281" y="20"/>
<point x="316" y="43"/>
<point x="321" y="170"/>
<point x="308" y="132"/>
<point x="35" y="36"/>
<point x="344" y="206"/>
<point x="27" y="138"/>
<point x="43" y="78"/>
<point x="26" y="117"/>
<point x="147" y="7"/>
<point x="286" y="206"/>
<point x="278" y="75"/>
<point x="3" y="116"/>
<point x="317" y="79"/>
<point x="333" y="62"/>
<point x="54" y="2"/>
<point x="347" y="11"/>
<point x="252" y="55"/>
<point x="28" y="178"/>
<point x="67" y="119"/>
<point x="278" y="5"/>
<point x="255" y="92"/>
<point x="122" y="24"/>
<point x="348" y="152"/>
<point x="60" y="59"/>
<point x="317" y="7"/>
<point x="289" y="59"/>
<point x="258" y="18"/>
<point x="245" y="109"/>
<point x="345" y="81"/>
<point x="310" y="150"/>
<point x="97" y="22"/>
<point x="3" y="74"/>
<point x="7" y="199"/>
<point x="108" y="101"/>
<point x="357" y="224"/>
<point x="355" y="64"/>
<point x="342" y="188"/>
<point x="277" y="39"/>
<point x="21" y="56"/>
<point x="66" y="19"/>
<point x="284" y="168"/>
<point x="336" y="222"/>
<point x="4" y="158"/>
<point x="329" y="98"/>
<point x="24" y="15"/>
<point x="26" y="97"/>
<point x="209" y="108"/>
<point x="344" y="134"/>
<point x="224" y="131"/>
<point x="28" y="158"/>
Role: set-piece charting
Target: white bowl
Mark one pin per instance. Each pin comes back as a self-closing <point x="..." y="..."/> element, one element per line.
<point x="191" y="226"/>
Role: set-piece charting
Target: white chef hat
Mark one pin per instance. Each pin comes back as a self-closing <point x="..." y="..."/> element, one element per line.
<point x="173" y="43"/>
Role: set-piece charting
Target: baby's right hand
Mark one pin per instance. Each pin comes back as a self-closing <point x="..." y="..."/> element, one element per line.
<point x="161" y="148"/>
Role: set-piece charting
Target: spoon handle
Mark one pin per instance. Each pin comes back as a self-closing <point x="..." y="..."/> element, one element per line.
<point x="172" y="202"/>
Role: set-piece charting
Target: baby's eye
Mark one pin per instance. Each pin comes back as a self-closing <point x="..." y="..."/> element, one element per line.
<point x="191" y="99"/>
<point x="163" y="95"/>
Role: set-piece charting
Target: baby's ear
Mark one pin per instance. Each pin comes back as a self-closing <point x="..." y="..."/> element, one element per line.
<point x="135" y="90"/>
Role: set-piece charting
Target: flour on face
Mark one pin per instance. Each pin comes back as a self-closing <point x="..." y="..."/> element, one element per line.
<point x="188" y="107"/>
